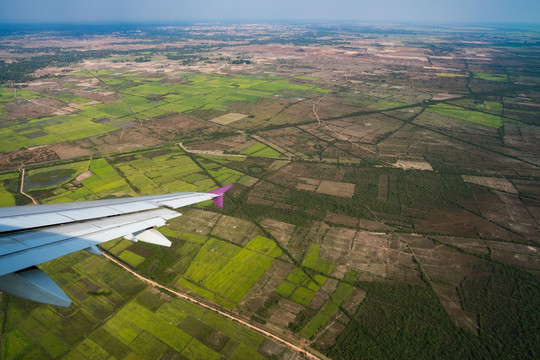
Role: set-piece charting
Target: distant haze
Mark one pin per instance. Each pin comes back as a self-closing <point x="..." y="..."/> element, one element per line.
<point x="419" y="11"/>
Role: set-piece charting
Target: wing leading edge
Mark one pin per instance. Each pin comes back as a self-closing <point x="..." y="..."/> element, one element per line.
<point x="31" y="235"/>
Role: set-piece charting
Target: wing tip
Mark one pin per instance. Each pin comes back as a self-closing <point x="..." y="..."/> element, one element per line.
<point x="220" y="192"/>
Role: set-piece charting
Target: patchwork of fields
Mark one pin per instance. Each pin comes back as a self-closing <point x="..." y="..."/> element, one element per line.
<point x="115" y="316"/>
<point x="138" y="98"/>
<point x="385" y="205"/>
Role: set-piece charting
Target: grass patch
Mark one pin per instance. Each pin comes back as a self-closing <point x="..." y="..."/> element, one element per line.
<point x="205" y="293"/>
<point x="314" y="325"/>
<point x="229" y="270"/>
<point x="332" y="305"/>
<point x="52" y="344"/>
<point x="267" y="152"/>
<point x="285" y="289"/>
<point x="351" y="276"/>
<point x="450" y="75"/>
<point x="120" y="246"/>
<point x="212" y="257"/>
<point x="110" y="343"/>
<point x="302" y="296"/>
<point x="264" y="246"/>
<point x="239" y="333"/>
<point x="254" y="148"/>
<point x="309" y="78"/>
<point x="193" y="238"/>
<point x="329" y="309"/>
<point x="131" y="258"/>
<point x="7" y="182"/>
<point x="468" y="115"/>
<point x="169" y="172"/>
<point x="491" y="77"/>
<point x="242" y="352"/>
<point x="238" y="276"/>
<point x="15" y="345"/>
<point x="148" y="346"/>
<point x="298" y="276"/>
<point x="313" y="261"/>
<point x="90" y="350"/>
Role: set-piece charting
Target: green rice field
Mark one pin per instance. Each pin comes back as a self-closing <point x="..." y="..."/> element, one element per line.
<point x="229" y="270"/>
<point x="328" y="310"/>
<point x="491" y="77"/>
<point x="169" y="172"/>
<point x="262" y="150"/>
<point x="299" y="287"/>
<point x="313" y="261"/>
<point x="468" y="115"/>
<point x="449" y="75"/>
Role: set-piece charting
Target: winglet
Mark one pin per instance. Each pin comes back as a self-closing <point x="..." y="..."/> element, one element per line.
<point x="219" y="200"/>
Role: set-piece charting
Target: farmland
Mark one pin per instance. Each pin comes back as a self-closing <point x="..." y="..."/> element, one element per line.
<point x="137" y="99"/>
<point x="7" y="198"/>
<point x="476" y="117"/>
<point x="85" y="180"/>
<point x="385" y="204"/>
<point x="128" y="320"/>
<point x="231" y="272"/>
<point x="491" y="77"/>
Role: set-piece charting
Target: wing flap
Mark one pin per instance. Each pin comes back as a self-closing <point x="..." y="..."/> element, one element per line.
<point x="33" y="284"/>
<point x="10" y="223"/>
<point x="94" y="250"/>
<point x="150" y="236"/>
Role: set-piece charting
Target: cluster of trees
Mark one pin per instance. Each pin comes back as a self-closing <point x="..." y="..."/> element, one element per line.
<point x="21" y="71"/>
<point x="506" y="300"/>
<point x="186" y="59"/>
<point x="240" y="61"/>
<point x="142" y="59"/>
<point x="398" y="321"/>
<point x="404" y="321"/>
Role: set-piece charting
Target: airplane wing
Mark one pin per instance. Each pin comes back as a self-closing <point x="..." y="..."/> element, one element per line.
<point x="31" y="235"/>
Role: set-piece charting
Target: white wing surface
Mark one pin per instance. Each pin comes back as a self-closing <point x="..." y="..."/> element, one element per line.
<point x="31" y="235"/>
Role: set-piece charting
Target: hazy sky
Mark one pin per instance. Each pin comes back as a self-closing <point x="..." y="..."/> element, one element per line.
<point x="431" y="11"/>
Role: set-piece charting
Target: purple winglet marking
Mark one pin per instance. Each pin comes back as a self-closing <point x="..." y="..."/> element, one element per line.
<point x="219" y="200"/>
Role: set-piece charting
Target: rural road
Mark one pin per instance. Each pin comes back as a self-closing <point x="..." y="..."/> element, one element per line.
<point x="22" y="189"/>
<point x="234" y="318"/>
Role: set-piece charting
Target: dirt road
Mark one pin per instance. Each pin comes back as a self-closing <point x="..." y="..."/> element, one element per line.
<point x="21" y="190"/>
<point x="229" y="316"/>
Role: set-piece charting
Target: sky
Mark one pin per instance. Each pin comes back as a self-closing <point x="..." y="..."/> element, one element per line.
<point x="411" y="11"/>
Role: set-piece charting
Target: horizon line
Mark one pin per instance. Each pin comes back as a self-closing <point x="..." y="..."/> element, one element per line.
<point x="269" y="21"/>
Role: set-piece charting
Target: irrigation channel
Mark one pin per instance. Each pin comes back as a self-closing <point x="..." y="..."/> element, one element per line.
<point x="229" y="316"/>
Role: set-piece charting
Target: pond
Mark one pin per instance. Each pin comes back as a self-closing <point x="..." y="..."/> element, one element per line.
<point x="48" y="178"/>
